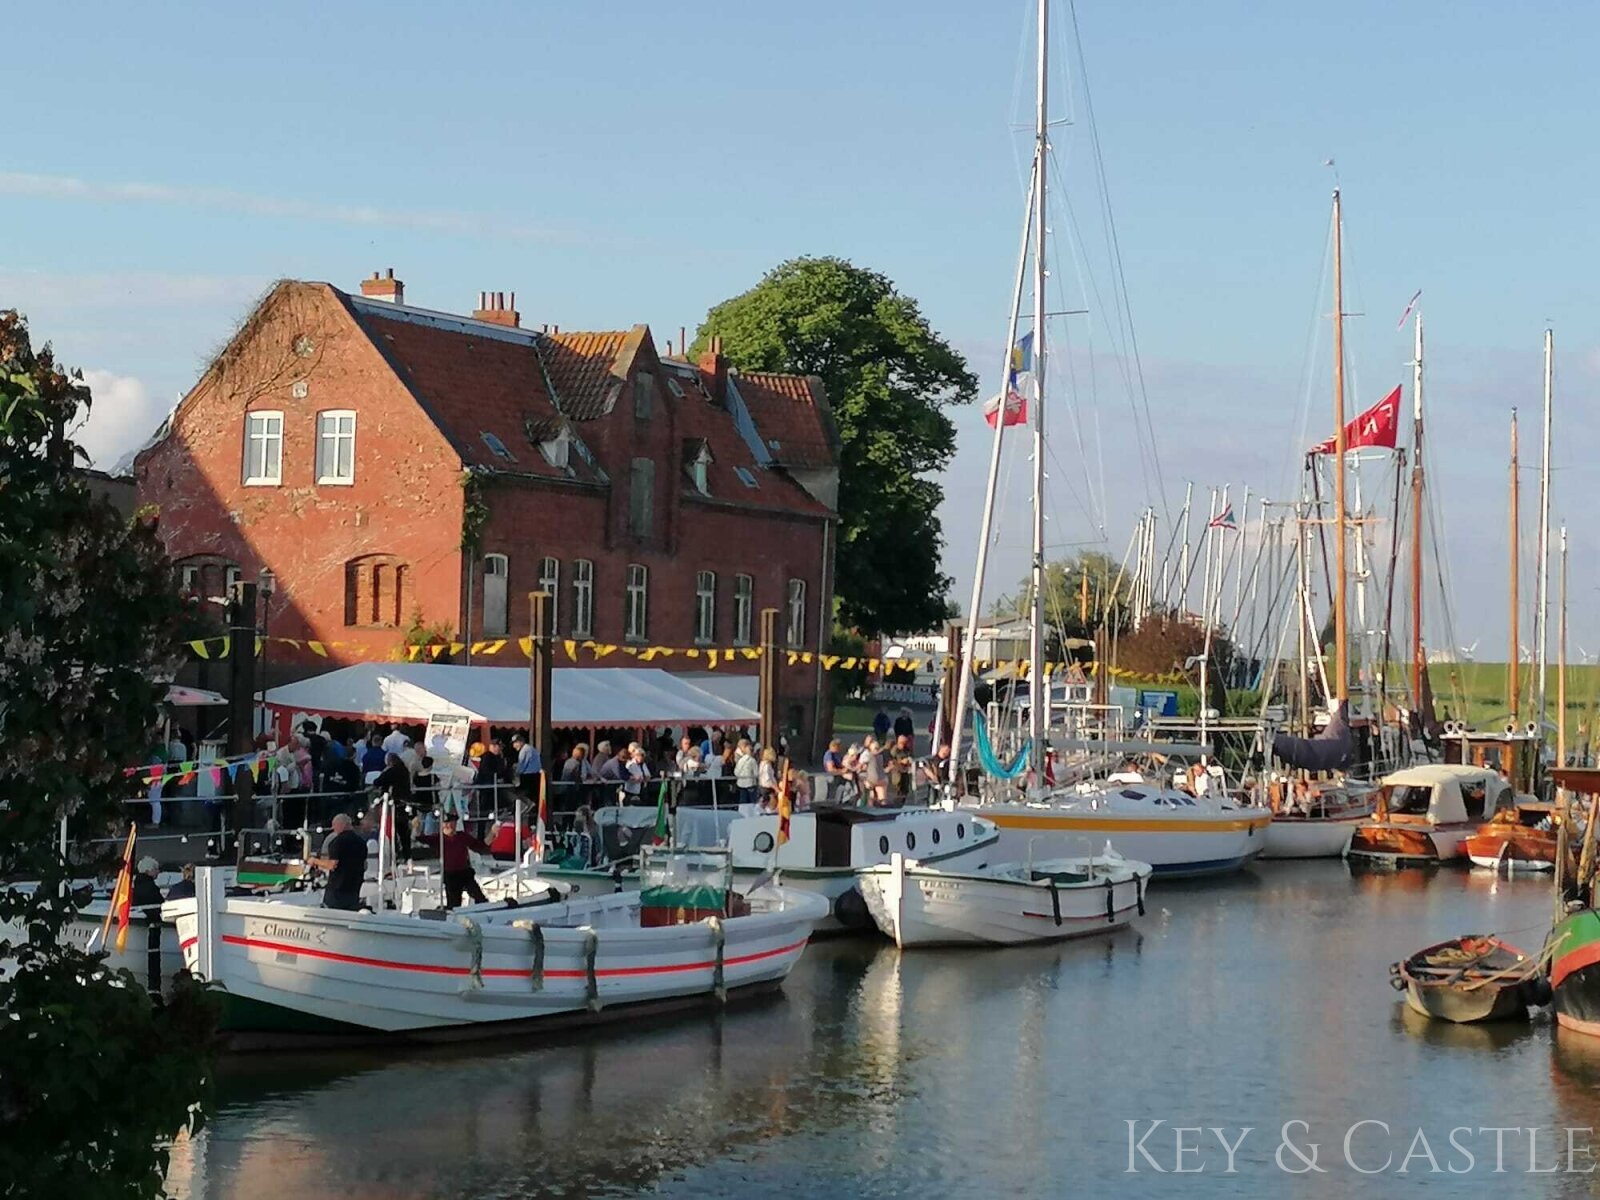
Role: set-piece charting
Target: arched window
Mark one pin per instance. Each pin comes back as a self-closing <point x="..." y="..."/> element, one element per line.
<point x="375" y="590"/>
<point x="496" y="580"/>
<point x="207" y="576"/>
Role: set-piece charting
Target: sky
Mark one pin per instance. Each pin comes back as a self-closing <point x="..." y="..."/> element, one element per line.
<point x="632" y="162"/>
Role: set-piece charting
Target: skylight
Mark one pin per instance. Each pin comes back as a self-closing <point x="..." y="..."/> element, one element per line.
<point x="674" y="387"/>
<point x="745" y="477"/>
<point x="496" y="445"/>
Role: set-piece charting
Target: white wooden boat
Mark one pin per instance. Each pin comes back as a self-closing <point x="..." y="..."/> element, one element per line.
<point x="829" y="846"/>
<point x="1007" y="905"/>
<point x="291" y="970"/>
<point x="1426" y="813"/>
<point x="1176" y="832"/>
<point x="1320" y="824"/>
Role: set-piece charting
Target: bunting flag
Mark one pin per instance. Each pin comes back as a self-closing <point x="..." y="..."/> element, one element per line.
<point x="785" y="805"/>
<point x="1223" y="520"/>
<point x="571" y="647"/>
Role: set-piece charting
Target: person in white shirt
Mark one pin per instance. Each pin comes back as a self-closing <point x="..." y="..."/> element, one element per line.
<point x="408" y="755"/>
<point x="395" y="742"/>
<point x="637" y="774"/>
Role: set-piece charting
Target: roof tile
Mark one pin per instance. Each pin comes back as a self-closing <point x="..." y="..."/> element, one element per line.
<point x="797" y="429"/>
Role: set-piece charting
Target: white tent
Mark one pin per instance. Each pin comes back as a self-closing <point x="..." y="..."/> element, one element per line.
<point x="582" y="697"/>
<point x="743" y="690"/>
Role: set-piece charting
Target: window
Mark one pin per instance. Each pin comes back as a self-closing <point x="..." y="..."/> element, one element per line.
<point x="636" y="624"/>
<point x="496" y="445"/>
<point x="744" y="608"/>
<point x="496" y="580"/>
<point x="582" y="598"/>
<point x="550" y="581"/>
<point x="797" y="612"/>
<point x="644" y="395"/>
<point x="698" y="465"/>
<point x="336" y="447"/>
<point x="674" y="387"/>
<point x="231" y="577"/>
<point x="745" y="477"/>
<point x="556" y="450"/>
<point x="189" y="579"/>
<point x="705" y="606"/>
<point x="375" y="588"/>
<point x="263" y="447"/>
<point x="641" y="497"/>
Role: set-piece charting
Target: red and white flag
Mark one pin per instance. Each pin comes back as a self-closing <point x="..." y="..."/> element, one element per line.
<point x="1016" y="409"/>
<point x="1378" y="426"/>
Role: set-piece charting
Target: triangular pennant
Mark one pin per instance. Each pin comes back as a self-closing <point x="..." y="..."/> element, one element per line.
<point x="602" y="651"/>
<point x="691" y="652"/>
<point x="793" y="658"/>
<point x="494" y="647"/>
<point x="752" y="652"/>
<point x="571" y="647"/>
<point x="633" y="650"/>
<point x="849" y="664"/>
<point x="712" y="657"/>
<point x="318" y="648"/>
<point x="412" y="652"/>
<point x="199" y="647"/>
<point x="216" y="776"/>
<point x="830" y="661"/>
<point x="807" y="657"/>
<point x="477" y="647"/>
<point x="226" y="647"/>
<point x="435" y="650"/>
<point x="295" y="642"/>
<point x="526" y="646"/>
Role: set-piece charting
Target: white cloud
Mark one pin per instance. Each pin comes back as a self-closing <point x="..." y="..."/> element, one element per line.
<point x="123" y="416"/>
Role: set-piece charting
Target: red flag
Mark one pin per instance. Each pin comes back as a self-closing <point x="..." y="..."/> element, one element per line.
<point x="1378" y="426"/>
<point x="1016" y="409"/>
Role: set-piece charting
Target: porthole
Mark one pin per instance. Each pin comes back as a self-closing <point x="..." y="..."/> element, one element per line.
<point x="961" y="830"/>
<point x="935" y="837"/>
<point x="911" y="840"/>
<point x="883" y="845"/>
<point x="764" y="843"/>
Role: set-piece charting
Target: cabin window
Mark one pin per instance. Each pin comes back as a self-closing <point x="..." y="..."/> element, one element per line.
<point x="763" y="843"/>
<point x="1476" y="797"/>
<point x="961" y="831"/>
<point x="911" y="840"/>
<point x="935" y="837"/>
<point x="883" y="845"/>
<point x="1409" y="798"/>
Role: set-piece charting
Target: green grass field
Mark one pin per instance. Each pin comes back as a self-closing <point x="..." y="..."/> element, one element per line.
<point x="1476" y="692"/>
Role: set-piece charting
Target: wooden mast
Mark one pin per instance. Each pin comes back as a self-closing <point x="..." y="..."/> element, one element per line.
<point x="1561" y="660"/>
<point x="1341" y="650"/>
<point x="1512" y="687"/>
<point x="1418" y="664"/>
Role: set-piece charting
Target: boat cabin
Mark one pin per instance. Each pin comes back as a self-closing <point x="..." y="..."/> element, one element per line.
<point x="1443" y="794"/>
<point x="1513" y="753"/>
<point x="838" y="837"/>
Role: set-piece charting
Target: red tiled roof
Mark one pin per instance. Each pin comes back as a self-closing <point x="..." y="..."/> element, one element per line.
<point x="792" y="418"/>
<point x="582" y="367"/>
<point x="700" y="420"/>
<point x="473" y="381"/>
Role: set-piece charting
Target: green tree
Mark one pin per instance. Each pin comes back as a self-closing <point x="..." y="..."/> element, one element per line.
<point x="94" y="1079"/>
<point x="889" y="379"/>
<point x="1065" y="595"/>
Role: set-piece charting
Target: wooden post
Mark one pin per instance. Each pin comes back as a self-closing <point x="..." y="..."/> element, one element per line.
<point x="952" y="679"/>
<point x="241" y="698"/>
<point x="539" y="706"/>
<point x="1513" y="687"/>
<point x="767" y="686"/>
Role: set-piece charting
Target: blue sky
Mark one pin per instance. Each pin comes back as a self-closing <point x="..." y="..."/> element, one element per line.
<point x="639" y="162"/>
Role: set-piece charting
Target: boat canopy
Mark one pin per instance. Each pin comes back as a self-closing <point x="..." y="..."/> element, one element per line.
<point x="581" y="697"/>
<point x="1448" y="794"/>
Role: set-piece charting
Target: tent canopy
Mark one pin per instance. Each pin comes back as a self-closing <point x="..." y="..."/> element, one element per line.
<point x="582" y="697"/>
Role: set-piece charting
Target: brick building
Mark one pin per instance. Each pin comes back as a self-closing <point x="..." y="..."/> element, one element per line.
<point x="350" y="445"/>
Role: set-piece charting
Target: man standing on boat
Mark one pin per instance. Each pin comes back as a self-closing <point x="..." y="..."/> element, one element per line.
<point x="344" y="858"/>
<point x="456" y="863"/>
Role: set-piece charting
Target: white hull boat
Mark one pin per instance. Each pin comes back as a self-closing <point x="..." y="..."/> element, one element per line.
<point x="1178" y="834"/>
<point x="290" y="969"/>
<point x="1310" y="837"/>
<point x="1007" y="905"/>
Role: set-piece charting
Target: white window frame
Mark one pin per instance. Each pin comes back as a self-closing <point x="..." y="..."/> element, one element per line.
<point x="231" y="578"/>
<point x="636" y="609"/>
<point x="744" y="609"/>
<point x="705" y="607"/>
<point x="190" y="579"/>
<point x="497" y="566"/>
<point x="550" y="581"/>
<point x="582" y="597"/>
<point x="795" y="627"/>
<point x="335" y="436"/>
<point x="257" y="429"/>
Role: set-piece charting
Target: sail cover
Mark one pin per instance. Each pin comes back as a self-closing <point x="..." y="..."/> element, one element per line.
<point x="1328" y="751"/>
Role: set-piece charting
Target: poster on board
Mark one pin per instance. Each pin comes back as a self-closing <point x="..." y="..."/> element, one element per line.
<point x="446" y="740"/>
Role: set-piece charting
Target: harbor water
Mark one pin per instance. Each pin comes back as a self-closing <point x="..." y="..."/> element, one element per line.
<point x="1251" y="1012"/>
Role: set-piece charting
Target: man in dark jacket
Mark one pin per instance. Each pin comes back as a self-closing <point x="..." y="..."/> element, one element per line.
<point x="456" y="864"/>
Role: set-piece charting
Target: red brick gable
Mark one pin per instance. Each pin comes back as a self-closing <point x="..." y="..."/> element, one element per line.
<point x="588" y="369"/>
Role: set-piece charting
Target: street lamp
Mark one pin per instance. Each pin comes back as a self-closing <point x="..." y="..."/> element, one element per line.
<point x="266" y="584"/>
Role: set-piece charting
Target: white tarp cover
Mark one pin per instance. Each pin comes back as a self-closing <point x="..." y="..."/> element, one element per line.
<point x="581" y="696"/>
<point x="743" y="690"/>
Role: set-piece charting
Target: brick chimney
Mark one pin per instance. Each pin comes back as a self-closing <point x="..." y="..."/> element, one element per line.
<point x="384" y="287"/>
<point x="714" y="369"/>
<point x="494" y="308"/>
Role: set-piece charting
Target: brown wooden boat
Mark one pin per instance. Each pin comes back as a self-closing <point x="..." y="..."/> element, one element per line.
<point x="1468" y="979"/>
<point x="1521" y="838"/>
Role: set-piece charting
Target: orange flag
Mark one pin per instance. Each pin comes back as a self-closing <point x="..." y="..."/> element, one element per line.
<point x="121" y="907"/>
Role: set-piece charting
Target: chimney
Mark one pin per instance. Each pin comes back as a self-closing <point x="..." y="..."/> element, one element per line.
<point x="714" y="368"/>
<point x="497" y="310"/>
<point x="384" y="287"/>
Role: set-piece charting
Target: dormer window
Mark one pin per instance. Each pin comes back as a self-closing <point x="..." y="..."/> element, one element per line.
<point x="698" y="465"/>
<point x="556" y="450"/>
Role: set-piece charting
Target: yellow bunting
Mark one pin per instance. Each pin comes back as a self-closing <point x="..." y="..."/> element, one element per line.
<point x="457" y="647"/>
<point x="849" y="664"/>
<point x="260" y="642"/>
<point x="691" y="652"/>
<point x="793" y="658"/>
<point x="829" y="661"/>
<point x="199" y="648"/>
<point x="752" y="652"/>
<point x="435" y="651"/>
<point x="571" y="647"/>
<point x="633" y="650"/>
<point x="318" y="649"/>
<point x="872" y="665"/>
<point x="412" y="652"/>
<point x="807" y="657"/>
<point x="495" y="647"/>
<point x="711" y="658"/>
<point x="526" y="646"/>
<point x="603" y="651"/>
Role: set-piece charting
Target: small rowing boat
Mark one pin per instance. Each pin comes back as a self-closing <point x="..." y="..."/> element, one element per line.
<point x="1471" y="979"/>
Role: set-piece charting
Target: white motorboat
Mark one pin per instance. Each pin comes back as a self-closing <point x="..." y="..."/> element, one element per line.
<point x="291" y="969"/>
<point x="1425" y="814"/>
<point x="1007" y="905"/>
<point x="1176" y="832"/>
<point x="828" y="846"/>
<point x="1319" y="823"/>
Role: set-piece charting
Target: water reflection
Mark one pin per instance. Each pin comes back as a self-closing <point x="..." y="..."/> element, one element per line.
<point x="1249" y="1001"/>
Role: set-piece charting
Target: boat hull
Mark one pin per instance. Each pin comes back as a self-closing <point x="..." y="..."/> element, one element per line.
<point x="1310" y="837"/>
<point x="1486" y="1004"/>
<point x="1174" y="847"/>
<point x="1383" y="844"/>
<point x="1512" y="848"/>
<point x="291" y="969"/>
<point x="917" y="906"/>
<point x="1471" y="979"/>
<point x="1574" y="950"/>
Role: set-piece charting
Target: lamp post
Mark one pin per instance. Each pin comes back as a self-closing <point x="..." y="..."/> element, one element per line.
<point x="266" y="584"/>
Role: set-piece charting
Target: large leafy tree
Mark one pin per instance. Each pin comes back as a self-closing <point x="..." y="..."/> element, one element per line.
<point x="889" y="379"/>
<point x="94" y="1079"/>
<point x="1081" y="594"/>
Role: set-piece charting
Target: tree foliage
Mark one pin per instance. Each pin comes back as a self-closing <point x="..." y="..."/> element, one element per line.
<point x="889" y="378"/>
<point x="94" y="1079"/>
<point x="1076" y="611"/>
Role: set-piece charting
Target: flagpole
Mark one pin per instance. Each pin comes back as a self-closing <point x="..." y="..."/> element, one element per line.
<point x="1418" y="663"/>
<point x="1513" y="683"/>
<point x="1542" y="614"/>
<point x="1341" y="650"/>
<point x="969" y="639"/>
<point x="1039" y="708"/>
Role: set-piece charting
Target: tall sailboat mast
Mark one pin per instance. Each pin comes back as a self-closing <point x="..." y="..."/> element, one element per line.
<point x="1418" y="663"/>
<point x="1038" y="680"/>
<point x="1341" y="649"/>
<point x="1541" y="623"/>
<point x="1513" y="684"/>
<point x="1561" y="658"/>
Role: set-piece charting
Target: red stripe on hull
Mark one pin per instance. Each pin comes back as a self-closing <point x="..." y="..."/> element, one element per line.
<point x="1574" y="960"/>
<point x="502" y="972"/>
